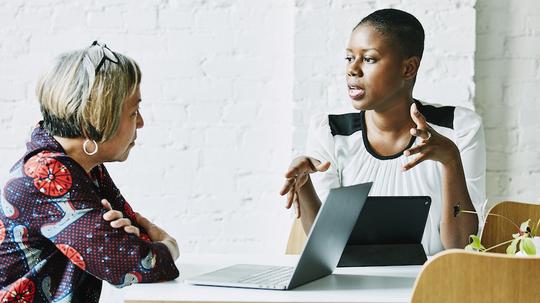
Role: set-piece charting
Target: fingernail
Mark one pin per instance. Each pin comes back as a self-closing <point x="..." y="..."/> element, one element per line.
<point x="406" y="153"/>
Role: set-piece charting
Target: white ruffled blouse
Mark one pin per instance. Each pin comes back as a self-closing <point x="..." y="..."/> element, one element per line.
<point x="341" y="140"/>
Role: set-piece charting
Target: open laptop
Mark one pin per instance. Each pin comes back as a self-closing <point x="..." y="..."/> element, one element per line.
<point x="389" y="231"/>
<point x="325" y="243"/>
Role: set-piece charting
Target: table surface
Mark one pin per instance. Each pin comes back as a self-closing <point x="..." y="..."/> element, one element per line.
<point x="354" y="284"/>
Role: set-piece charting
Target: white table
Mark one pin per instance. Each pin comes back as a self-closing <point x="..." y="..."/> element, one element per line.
<point x="360" y="284"/>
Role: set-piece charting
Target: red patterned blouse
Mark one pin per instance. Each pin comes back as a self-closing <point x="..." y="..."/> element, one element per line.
<point x="55" y="245"/>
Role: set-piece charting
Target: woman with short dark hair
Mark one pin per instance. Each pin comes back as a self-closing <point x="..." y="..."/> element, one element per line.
<point x="404" y="145"/>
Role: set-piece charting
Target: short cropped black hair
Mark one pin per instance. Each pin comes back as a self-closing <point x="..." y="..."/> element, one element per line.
<point x="400" y="27"/>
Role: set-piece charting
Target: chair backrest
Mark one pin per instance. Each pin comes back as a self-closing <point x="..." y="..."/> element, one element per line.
<point x="497" y="230"/>
<point x="462" y="276"/>
<point x="297" y="239"/>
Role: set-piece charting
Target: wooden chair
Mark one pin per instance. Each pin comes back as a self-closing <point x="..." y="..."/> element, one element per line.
<point x="297" y="239"/>
<point x="462" y="276"/>
<point x="497" y="229"/>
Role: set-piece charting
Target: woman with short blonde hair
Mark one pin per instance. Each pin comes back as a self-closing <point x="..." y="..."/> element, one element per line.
<point x="64" y="226"/>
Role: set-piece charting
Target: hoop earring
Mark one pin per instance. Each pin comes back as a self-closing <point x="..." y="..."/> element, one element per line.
<point x="86" y="149"/>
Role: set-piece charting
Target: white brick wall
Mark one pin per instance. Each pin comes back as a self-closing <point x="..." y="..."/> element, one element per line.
<point x="217" y="91"/>
<point x="507" y="96"/>
<point x="229" y="87"/>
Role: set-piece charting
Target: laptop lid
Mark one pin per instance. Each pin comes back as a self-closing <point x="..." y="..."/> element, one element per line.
<point x="329" y="233"/>
<point x="388" y="231"/>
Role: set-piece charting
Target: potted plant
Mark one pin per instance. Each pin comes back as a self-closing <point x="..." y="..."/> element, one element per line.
<point x="525" y="238"/>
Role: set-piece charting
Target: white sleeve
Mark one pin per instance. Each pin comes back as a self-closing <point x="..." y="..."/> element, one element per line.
<point x="320" y="145"/>
<point x="471" y="143"/>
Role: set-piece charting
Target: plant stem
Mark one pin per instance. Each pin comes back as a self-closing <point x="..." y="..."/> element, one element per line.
<point x="496" y="215"/>
<point x="501" y="216"/>
<point x="495" y="246"/>
<point x="535" y="229"/>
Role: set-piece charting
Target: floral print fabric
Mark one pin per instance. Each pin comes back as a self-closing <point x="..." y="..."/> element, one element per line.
<point x="55" y="245"/>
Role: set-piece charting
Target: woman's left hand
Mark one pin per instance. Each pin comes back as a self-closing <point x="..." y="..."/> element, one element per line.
<point x="433" y="145"/>
<point x="117" y="219"/>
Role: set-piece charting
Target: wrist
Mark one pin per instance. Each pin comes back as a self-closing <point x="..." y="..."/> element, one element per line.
<point x="305" y="186"/>
<point x="454" y="159"/>
<point x="171" y="244"/>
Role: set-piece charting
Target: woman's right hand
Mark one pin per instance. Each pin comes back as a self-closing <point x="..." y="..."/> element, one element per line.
<point x="155" y="233"/>
<point x="297" y="175"/>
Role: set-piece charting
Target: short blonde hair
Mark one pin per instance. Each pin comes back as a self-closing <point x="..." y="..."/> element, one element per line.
<point x="80" y="98"/>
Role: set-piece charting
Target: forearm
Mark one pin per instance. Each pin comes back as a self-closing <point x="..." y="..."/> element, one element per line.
<point x="455" y="230"/>
<point x="309" y="205"/>
<point x="172" y="245"/>
<point x="134" y="260"/>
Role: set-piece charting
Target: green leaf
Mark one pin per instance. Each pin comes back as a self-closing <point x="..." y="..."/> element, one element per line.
<point x="511" y="249"/>
<point x="475" y="244"/>
<point x="527" y="246"/>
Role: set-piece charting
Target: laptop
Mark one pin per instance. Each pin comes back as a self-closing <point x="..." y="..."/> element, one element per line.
<point x="389" y="231"/>
<point x="325" y="243"/>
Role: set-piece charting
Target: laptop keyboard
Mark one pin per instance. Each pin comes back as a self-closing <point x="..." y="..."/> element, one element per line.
<point x="273" y="276"/>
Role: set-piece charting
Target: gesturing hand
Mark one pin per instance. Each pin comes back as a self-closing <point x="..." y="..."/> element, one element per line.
<point x="297" y="175"/>
<point x="433" y="145"/>
<point x="117" y="219"/>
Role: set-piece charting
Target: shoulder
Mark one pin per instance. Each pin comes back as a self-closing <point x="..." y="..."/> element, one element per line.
<point x="45" y="160"/>
<point x="35" y="177"/>
<point x="338" y="124"/>
<point x="51" y="172"/>
<point x="457" y="118"/>
<point x="439" y="115"/>
<point x="467" y="120"/>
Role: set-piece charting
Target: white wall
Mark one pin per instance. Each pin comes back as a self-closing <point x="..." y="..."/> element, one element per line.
<point x="508" y="96"/>
<point x="229" y="87"/>
<point x="216" y="89"/>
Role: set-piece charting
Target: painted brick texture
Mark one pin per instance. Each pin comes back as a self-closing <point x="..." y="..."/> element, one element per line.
<point x="507" y="78"/>
<point x="216" y="90"/>
<point x="229" y="86"/>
